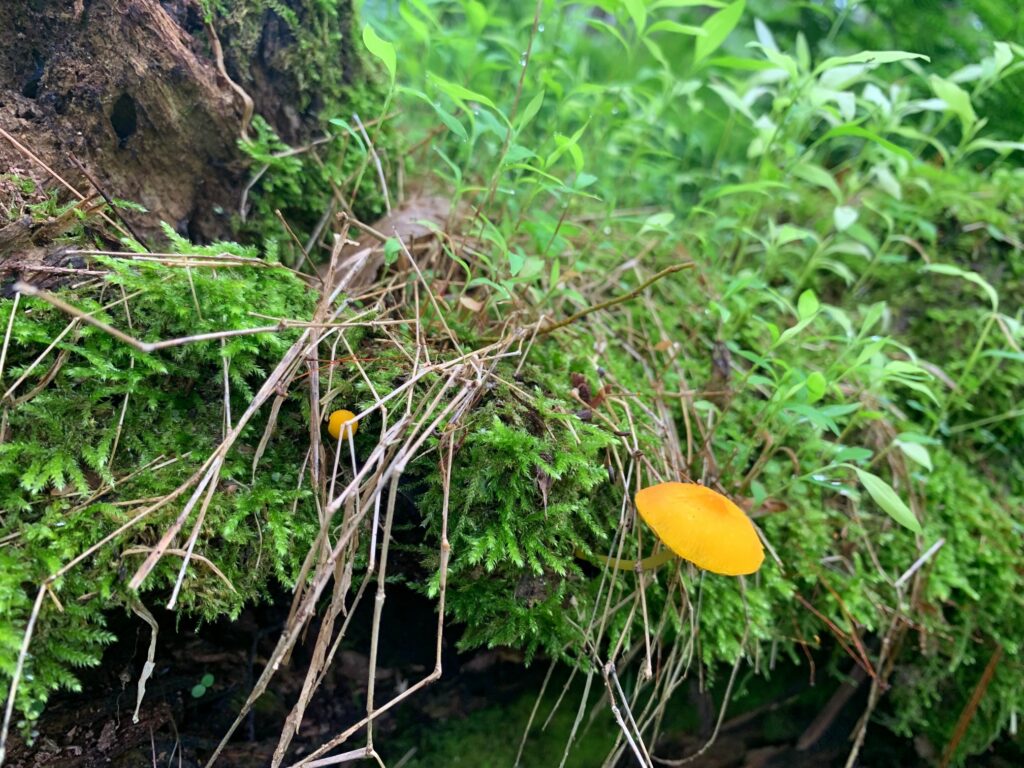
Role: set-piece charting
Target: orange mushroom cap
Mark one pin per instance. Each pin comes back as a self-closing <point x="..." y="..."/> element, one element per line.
<point x="338" y="420"/>
<point x="702" y="526"/>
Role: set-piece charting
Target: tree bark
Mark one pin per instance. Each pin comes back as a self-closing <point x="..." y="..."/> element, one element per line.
<point x="128" y="96"/>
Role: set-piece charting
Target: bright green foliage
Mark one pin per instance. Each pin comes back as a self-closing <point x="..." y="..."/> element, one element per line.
<point x="820" y="189"/>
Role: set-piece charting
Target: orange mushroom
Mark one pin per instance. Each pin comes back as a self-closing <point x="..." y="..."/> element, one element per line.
<point x="340" y="419"/>
<point x="702" y="526"/>
<point x="699" y="525"/>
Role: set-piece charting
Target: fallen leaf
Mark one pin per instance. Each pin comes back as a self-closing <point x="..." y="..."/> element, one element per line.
<point x="581" y="385"/>
<point x="416" y="218"/>
<point x="471" y="304"/>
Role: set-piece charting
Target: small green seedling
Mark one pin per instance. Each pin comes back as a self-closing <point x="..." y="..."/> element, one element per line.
<point x="202" y="686"/>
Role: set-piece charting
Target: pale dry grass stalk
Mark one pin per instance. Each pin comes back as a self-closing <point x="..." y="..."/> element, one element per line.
<point x="376" y="161"/>
<point x="61" y="180"/>
<point x="7" y="334"/>
<point x="330" y="561"/>
<point x="141" y="346"/>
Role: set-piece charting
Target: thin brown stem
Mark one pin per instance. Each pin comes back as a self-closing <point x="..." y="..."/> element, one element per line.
<point x="618" y="299"/>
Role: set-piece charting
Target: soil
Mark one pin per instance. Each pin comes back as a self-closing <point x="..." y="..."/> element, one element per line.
<point x="181" y="726"/>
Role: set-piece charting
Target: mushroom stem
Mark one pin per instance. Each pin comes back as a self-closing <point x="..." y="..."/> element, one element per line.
<point x="647" y="564"/>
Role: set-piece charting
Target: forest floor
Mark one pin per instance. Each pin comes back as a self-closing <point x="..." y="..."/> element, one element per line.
<point x="475" y="715"/>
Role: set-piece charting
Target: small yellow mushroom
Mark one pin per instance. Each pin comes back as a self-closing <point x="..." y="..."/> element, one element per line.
<point x="340" y="419"/>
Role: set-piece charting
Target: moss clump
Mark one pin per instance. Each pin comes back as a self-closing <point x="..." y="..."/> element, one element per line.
<point x="536" y="477"/>
<point x="533" y="487"/>
<point x="977" y="610"/>
<point x="115" y="430"/>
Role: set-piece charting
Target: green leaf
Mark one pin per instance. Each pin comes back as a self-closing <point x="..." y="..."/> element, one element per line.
<point x="760" y="187"/>
<point x="570" y="144"/>
<point x="919" y="439"/>
<point x="391" y="250"/>
<point x="717" y="29"/>
<point x="818" y="176"/>
<point x="459" y="93"/>
<point x="867" y="57"/>
<point x="816" y="385"/>
<point x="658" y="221"/>
<point x="676" y="28"/>
<point x="853" y="453"/>
<point x="957" y="98"/>
<point x="803" y="52"/>
<point x="788" y="233"/>
<point x="737" y="62"/>
<point x="917" y="387"/>
<point x="886" y="498"/>
<point x="451" y="122"/>
<point x="789" y="333"/>
<point x="656" y="52"/>
<point x="382" y="49"/>
<point x="1002" y="147"/>
<point x="637" y="10"/>
<point x="816" y="416"/>
<point x="778" y="59"/>
<point x="1002" y="56"/>
<point x="863" y="133"/>
<point x="916" y="453"/>
<point x="476" y="15"/>
<point x="807" y="305"/>
<point x="606" y="27"/>
<point x="516" y="261"/>
<point x="972" y="277"/>
<point x="530" y="111"/>
<point x="844" y="217"/>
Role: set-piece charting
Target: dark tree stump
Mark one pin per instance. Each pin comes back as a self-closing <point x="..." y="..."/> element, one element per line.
<point x="132" y="90"/>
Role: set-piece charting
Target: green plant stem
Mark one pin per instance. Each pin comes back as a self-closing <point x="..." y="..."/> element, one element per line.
<point x="955" y="395"/>
<point x="648" y="563"/>
<point x="972" y="425"/>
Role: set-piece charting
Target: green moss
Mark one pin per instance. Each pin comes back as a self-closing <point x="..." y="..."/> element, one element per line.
<point x="974" y="592"/>
<point x="533" y="488"/>
<point x="72" y="471"/>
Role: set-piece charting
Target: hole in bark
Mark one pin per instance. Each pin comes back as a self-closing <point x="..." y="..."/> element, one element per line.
<point x="31" y="88"/>
<point x="123" y="117"/>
